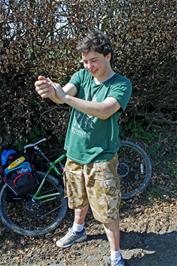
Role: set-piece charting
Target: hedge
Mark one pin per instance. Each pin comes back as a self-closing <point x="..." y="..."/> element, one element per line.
<point x="41" y="36"/>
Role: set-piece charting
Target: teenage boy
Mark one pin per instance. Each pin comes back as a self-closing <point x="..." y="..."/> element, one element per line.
<point x="97" y="96"/>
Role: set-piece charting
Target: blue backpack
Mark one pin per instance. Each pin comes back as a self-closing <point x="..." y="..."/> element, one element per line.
<point x="17" y="172"/>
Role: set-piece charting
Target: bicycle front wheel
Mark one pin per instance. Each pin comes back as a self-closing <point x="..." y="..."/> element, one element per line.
<point x="134" y="169"/>
<point x="33" y="218"/>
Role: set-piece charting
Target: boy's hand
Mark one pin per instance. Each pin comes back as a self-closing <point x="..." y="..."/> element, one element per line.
<point x="45" y="87"/>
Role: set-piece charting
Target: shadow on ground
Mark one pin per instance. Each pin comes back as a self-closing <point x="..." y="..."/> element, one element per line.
<point x="146" y="249"/>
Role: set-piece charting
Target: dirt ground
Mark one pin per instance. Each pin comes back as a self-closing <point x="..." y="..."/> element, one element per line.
<point x="148" y="227"/>
<point x="148" y="238"/>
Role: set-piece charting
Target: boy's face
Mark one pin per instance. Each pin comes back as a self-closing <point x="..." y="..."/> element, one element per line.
<point x="96" y="63"/>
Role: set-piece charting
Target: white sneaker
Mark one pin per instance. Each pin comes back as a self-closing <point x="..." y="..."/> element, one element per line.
<point x="71" y="238"/>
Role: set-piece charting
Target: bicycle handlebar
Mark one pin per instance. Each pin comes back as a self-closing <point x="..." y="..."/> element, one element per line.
<point x="34" y="144"/>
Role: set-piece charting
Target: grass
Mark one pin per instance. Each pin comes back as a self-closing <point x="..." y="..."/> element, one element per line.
<point x="138" y="131"/>
<point x="161" y="145"/>
<point x="172" y="169"/>
<point x="154" y="191"/>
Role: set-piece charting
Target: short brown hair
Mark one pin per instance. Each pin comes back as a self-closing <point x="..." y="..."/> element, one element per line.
<point x="96" y="41"/>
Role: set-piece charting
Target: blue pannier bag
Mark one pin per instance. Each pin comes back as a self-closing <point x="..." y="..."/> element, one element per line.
<point x="18" y="173"/>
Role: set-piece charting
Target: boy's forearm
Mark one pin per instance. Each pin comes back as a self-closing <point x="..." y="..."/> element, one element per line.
<point x="93" y="108"/>
<point x="55" y="98"/>
<point x="102" y="110"/>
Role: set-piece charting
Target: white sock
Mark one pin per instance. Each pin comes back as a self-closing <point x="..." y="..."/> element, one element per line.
<point x="77" y="227"/>
<point x="115" y="255"/>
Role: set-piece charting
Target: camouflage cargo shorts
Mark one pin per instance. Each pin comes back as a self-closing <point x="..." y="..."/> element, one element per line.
<point x="96" y="184"/>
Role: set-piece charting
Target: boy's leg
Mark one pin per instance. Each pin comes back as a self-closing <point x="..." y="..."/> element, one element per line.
<point x="77" y="200"/>
<point x="77" y="232"/>
<point x="113" y="234"/>
<point x="103" y="190"/>
<point x="80" y="214"/>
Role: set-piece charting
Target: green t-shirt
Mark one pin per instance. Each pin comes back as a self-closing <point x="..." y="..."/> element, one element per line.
<point x="90" y="139"/>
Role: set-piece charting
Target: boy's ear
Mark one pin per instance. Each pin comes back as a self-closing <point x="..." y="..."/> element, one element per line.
<point x="108" y="56"/>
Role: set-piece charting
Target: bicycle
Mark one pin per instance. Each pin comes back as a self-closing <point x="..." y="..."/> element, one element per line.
<point x="39" y="213"/>
<point x="134" y="169"/>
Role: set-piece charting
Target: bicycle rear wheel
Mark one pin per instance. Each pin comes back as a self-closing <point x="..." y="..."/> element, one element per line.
<point x="33" y="218"/>
<point x="134" y="169"/>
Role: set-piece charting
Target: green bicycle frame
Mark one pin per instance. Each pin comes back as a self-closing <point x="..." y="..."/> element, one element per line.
<point x="52" y="166"/>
